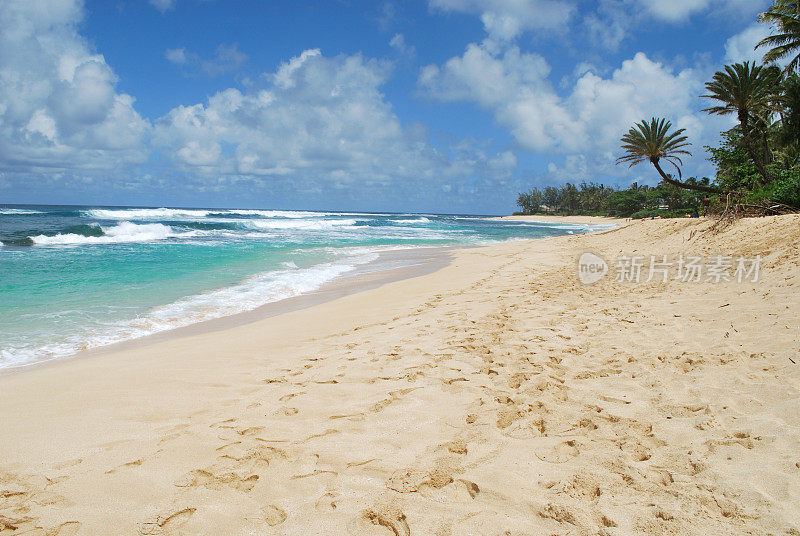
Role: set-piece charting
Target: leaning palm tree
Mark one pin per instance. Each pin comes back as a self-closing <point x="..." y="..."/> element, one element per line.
<point x="752" y="92"/>
<point x="654" y="142"/>
<point x="784" y="15"/>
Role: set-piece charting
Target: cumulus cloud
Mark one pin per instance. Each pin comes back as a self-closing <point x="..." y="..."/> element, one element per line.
<point x="315" y="117"/>
<point x="227" y="58"/>
<point x="607" y="31"/>
<point x="617" y="20"/>
<point x="58" y="101"/>
<point x="506" y="19"/>
<point x="584" y="123"/>
<point x="515" y="87"/>
<point x="675" y="10"/>
<point x="741" y="47"/>
<point x="679" y="10"/>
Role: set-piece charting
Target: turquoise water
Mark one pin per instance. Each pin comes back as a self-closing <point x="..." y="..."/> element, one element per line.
<point x="74" y="278"/>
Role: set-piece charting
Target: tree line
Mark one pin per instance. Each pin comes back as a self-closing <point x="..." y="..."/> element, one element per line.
<point x="637" y="201"/>
<point x="757" y="162"/>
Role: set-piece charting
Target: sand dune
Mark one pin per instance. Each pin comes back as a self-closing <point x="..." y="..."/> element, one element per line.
<point x="497" y="396"/>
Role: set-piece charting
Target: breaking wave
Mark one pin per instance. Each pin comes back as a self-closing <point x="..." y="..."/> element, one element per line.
<point x="124" y="232"/>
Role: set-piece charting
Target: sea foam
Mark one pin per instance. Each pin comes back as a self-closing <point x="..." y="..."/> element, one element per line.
<point x="18" y="211"/>
<point x="304" y="224"/>
<point x="192" y="214"/>
<point x="421" y="219"/>
<point x="145" y="213"/>
<point x="124" y="232"/>
<point x="251" y="293"/>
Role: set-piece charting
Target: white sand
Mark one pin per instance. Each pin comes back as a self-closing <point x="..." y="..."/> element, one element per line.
<point x="581" y="220"/>
<point x="497" y="396"/>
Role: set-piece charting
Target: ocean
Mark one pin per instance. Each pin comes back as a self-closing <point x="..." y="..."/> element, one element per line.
<point x="74" y="278"/>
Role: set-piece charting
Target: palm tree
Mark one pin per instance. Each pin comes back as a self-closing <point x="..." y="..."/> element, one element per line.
<point x="789" y="123"/>
<point x="653" y="142"/>
<point x="785" y="16"/>
<point x="751" y="92"/>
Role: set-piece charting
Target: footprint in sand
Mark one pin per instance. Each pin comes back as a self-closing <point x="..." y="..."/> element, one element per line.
<point x="273" y="515"/>
<point x="206" y="479"/>
<point x="167" y="524"/>
<point x="457" y="446"/>
<point x="134" y="463"/>
<point x="560" y="453"/>
<point x="472" y="488"/>
<point x="70" y="528"/>
<point x="385" y="514"/>
<point x="328" y="502"/>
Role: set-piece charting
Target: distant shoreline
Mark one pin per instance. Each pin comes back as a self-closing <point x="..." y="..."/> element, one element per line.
<point x="579" y="220"/>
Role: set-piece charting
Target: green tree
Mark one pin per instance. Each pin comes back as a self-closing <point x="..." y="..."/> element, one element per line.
<point x="550" y="196"/>
<point x="624" y="203"/>
<point x="530" y="202"/>
<point x="654" y="142"/>
<point x="735" y="168"/>
<point x="784" y="15"/>
<point x="593" y="196"/>
<point x="788" y="135"/>
<point x="569" y="199"/>
<point x="752" y="93"/>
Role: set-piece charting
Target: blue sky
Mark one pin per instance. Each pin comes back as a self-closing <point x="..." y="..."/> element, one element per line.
<point x="429" y="106"/>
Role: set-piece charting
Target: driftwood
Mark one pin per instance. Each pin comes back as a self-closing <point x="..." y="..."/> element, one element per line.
<point x="734" y="210"/>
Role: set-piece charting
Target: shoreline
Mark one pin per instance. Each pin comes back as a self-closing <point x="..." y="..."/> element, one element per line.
<point x="424" y="260"/>
<point x="496" y="394"/>
<point x="578" y="220"/>
<point x="143" y="328"/>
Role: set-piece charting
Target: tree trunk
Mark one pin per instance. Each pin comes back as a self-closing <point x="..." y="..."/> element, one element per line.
<point x="679" y="184"/>
<point x="748" y="144"/>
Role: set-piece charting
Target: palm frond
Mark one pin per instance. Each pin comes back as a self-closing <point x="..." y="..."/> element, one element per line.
<point x="784" y="15"/>
<point x="652" y="141"/>
<point x="743" y="88"/>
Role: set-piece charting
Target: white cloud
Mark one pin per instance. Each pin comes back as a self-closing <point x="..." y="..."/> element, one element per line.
<point x="227" y="58"/>
<point x="176" y="55"/>
<point x="506" y="19"/>
<point x="163" y="5"/>
<point x="741" y="47"/>
<point x="675" y="10"/>
<point x="680" y="10"/>
<point x="398" y="43"/>
<point x="315" y="118"/>
<point x="58" y="103"/>
<point x="617" y="20"/>
<point x="584" y="124"/>
<point x="608" y="32"/>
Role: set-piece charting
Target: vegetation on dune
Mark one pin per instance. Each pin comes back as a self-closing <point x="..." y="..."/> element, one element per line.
<point x="757" y="162"/>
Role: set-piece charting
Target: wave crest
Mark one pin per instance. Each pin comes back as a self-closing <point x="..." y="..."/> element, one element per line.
<point x="18" y="211"/>
<point x="304" y="224"/>
<point x="124" y="232"/>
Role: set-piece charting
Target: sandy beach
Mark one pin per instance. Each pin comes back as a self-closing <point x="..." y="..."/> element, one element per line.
<point x="580" y="220"/>
<point x="495" y="396"/>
